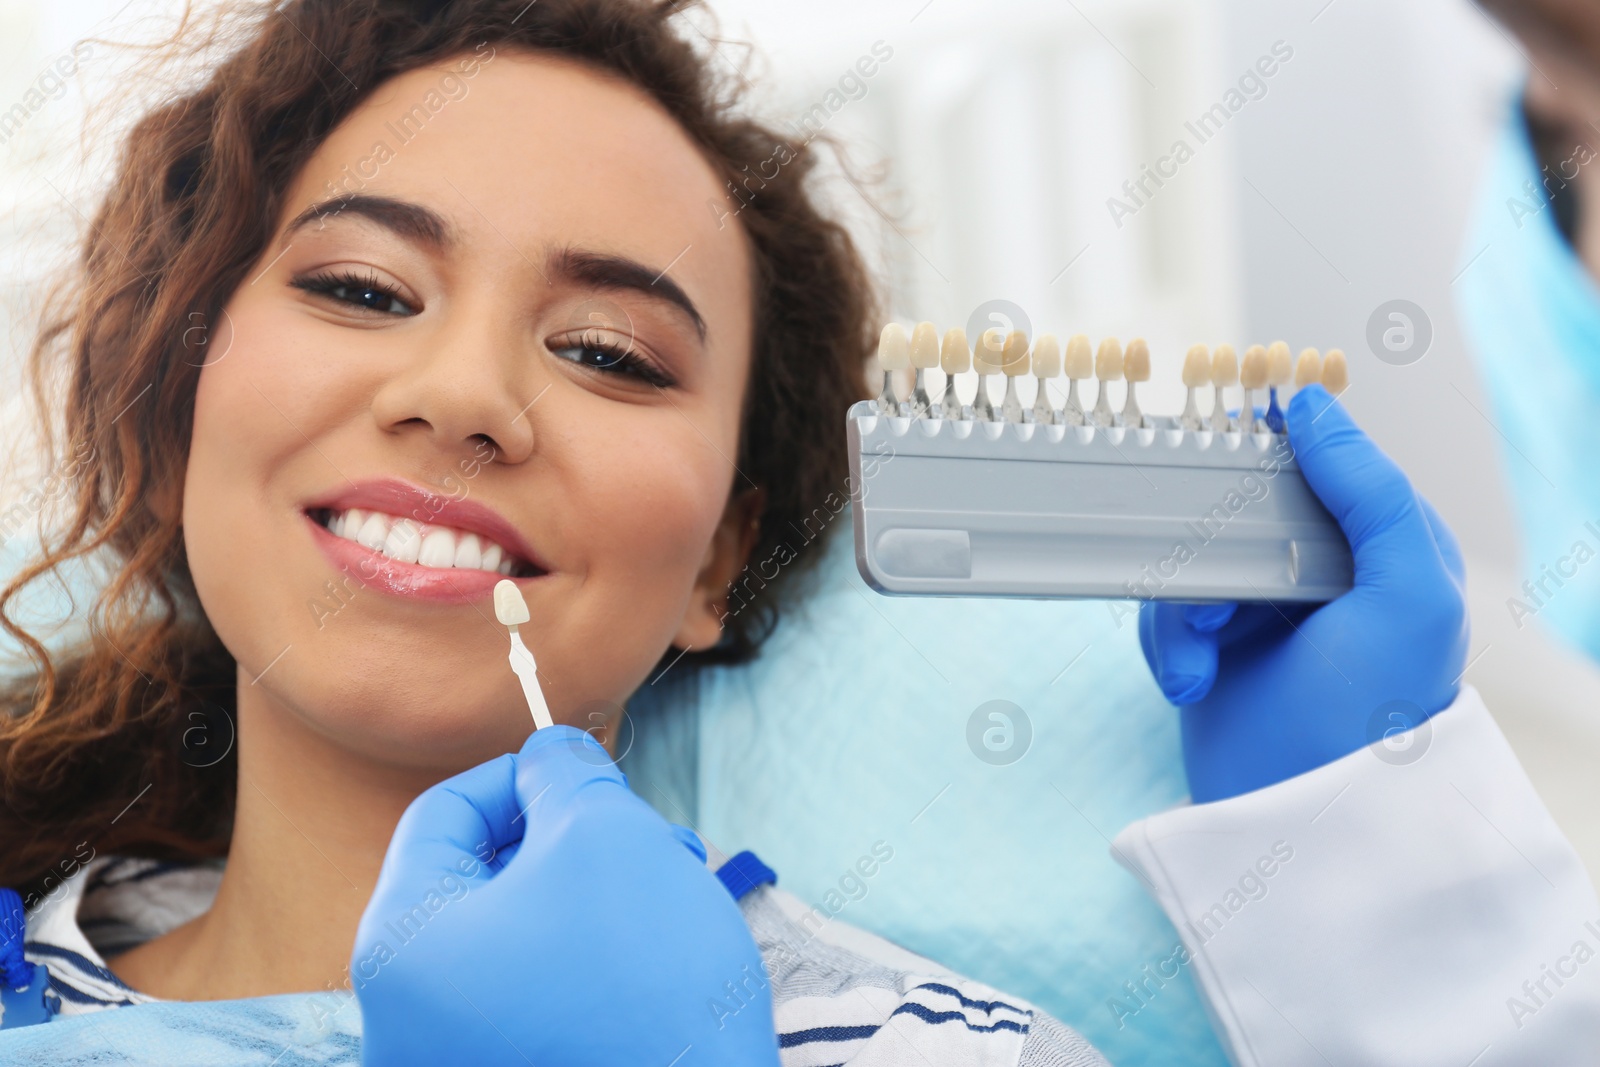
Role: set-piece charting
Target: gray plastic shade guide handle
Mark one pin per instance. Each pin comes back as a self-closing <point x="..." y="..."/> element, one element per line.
<point x="1024" y="510"/>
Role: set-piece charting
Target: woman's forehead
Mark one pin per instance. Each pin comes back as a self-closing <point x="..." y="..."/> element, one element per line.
<point x="521" y="154"/>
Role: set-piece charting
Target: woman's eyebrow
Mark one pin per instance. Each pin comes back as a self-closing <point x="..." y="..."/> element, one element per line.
<point x="602" y="270"/>
<point x="411" y="221"/>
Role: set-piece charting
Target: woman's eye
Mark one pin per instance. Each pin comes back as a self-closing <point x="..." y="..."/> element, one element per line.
<point x="598" y="352"/>
<point x="363" y="291"/>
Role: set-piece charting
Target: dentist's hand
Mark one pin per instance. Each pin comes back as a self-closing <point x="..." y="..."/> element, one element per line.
<point x="534" y="910"/>
<point x="1272" y="691"/>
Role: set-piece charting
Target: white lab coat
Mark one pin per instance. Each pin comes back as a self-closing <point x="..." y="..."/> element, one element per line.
<point x="1422" y="908"/>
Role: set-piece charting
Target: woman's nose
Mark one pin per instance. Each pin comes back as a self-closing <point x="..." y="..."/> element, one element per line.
<point x="463" y="385"/>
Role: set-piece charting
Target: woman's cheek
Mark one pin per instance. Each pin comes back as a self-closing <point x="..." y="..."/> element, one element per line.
<point x="665" y="492"/>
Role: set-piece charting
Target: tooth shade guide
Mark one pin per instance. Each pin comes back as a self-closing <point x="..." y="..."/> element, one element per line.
<point x="1136" y="369"/>
<point x="1308" y="368"/>
<point x="955" y="357"/>
<point x="1335" y="372"/>
<point x="1224" y="372"/>
<point x="923" y="357"/>
<point x="1108" y="368"/>
<point x="1007" y="354"/>
<point x="1280" y="371"/>
<point x="986" y="358"/>
<point x="955" y="354"/>
<point x="509" y="606"/>
<point x="512" y="611"/>
<point x="1280" y="364"/>
<point x="894" y="354"/>
<point x="1046" y="365"/>
<point x="961" y="505"/>
<point x="1252" y="376"/>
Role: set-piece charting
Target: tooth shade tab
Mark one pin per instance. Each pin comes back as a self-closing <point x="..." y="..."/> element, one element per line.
<point x="1047" y="356"/>
<point x="1335" y="372"/>
<point x="1080" y="357"/>
<point x="407" y="541"/>
<point x="1136" y="361"/>
<point x="988" y="352"/>
<point x="1308" y="368"/>
<point x="894" y="348"/>
<point x="1253" y="371"/>
<point x="1108" y="361"/>
<point x="1224" y="366"/>
<point x="1280" y="364"/>
<point x="925" y="347"/>
<point x="1014" y="356"/>
<point x="1197" y="367"/>
<point x="509" y="607"/>
<point x="955" y="355"/>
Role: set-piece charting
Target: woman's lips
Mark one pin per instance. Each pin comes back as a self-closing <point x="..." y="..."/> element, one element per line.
<point x="426" y="511"/>
<point x="401" y="499"/>
<point x="373" y="568"/>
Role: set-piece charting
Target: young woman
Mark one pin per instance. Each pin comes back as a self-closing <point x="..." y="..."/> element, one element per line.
<point x="410" y="297"/>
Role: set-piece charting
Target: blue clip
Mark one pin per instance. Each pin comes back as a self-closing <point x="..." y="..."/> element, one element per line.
<point x="743" y="873"/>
<point x="25" y="994"/>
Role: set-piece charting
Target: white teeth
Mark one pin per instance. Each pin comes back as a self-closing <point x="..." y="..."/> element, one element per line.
<point x="407" y="541"/>
<point x="349" y="523"/>
<point x="438" y="549"/>
<point x="403" y="541"/>
<point x="468" y="553"/>
<point x="373" y="532"/>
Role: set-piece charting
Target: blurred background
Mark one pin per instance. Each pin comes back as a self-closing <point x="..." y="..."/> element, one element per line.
<point x="992" y="170"/>
<point x="994" y="143"/>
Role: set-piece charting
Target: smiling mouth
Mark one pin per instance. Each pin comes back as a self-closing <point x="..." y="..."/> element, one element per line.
<point x="423" y="544"/>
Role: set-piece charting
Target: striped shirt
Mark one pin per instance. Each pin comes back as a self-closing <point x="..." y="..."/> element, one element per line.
<point x="840" y="995"/>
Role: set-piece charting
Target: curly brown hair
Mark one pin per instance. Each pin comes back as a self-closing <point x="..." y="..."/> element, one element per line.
<point x="199" y="185"/>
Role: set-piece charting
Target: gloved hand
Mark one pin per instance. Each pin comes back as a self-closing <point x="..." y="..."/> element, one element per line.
<point x="1272" y="691"/>
<point x="534" y="910"/>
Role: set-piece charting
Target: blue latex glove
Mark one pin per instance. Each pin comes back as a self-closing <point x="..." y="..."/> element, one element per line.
<point x="1272" y="691"/>
<point x="534" y="910"/>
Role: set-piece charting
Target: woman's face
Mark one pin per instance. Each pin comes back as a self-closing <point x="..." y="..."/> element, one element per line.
<point x="524" y="337"/>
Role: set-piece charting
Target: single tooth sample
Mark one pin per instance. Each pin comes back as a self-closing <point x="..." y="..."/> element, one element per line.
<point x="1252" y="376"/>
<point x="894" y="353"/>
<point x="924" y="357"/>
<point x="1079" y="365"/>
<point x="955" y="357"/>
<point x="1280" y="370"/>
<point x="1135" y="368"/>
<point x="1224" y="373"/>
<point x="512" y="611"/>
<point x="1335" y="372"/>
<point x="1307" y="369"/>
<point x="1108" y="368"/>
<point x="1014" y="363"/>
<point x="509" y="607"/>
<point x="1046" y="365"/>
<point x="987" y="356"/>
<point x="1196" y="376"/>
